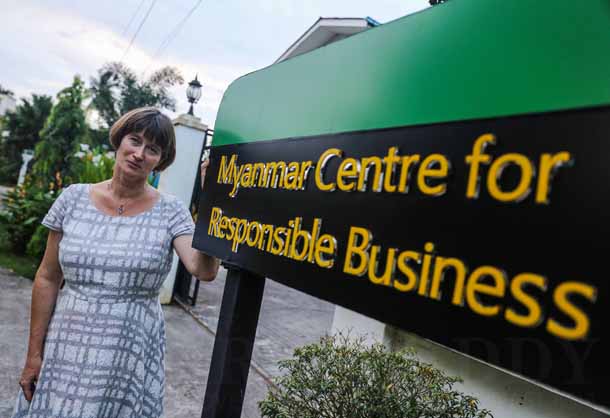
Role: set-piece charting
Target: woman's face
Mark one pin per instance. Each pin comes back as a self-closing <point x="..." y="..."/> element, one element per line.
<point x="137" y="155"/>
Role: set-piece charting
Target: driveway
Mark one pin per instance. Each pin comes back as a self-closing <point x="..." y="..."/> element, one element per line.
<point x="189" y="350"/>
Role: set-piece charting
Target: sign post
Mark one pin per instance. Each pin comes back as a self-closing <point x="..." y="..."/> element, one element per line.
<point x="228" y="376"/>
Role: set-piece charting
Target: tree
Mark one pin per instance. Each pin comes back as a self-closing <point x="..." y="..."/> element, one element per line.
<point x="63" y="131"/>
<point x="117" y="90"/>
<point x="5" y="92"/>
<point x="23" y="125"/>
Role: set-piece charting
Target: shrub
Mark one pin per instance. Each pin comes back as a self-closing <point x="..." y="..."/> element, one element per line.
<point x="24" y="208"/>
<point x="38" y="242"/>
<point x="91" y="165"/>
<point x="342" y="377"/>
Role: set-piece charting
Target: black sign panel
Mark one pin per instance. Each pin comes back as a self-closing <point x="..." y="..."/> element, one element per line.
<point x="486" y="236"/>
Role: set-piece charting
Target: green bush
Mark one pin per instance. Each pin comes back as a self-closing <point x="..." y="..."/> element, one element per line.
<point x="38" y="242"/>
<point x="26" y="205"/>
<point x="342" y="377"/>
<point x="91" y="165"/>
<point x="24" y="208"/>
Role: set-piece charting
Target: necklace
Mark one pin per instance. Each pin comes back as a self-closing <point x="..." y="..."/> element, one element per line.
<point x="121" y="208"/>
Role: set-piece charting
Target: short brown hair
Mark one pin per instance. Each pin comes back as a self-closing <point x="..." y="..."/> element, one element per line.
<point x="151" y="123"/>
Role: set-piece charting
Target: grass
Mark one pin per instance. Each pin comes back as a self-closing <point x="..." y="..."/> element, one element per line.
<point x="23" y="265"/>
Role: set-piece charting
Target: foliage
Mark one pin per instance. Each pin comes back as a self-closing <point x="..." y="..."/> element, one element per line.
<point x="38" y="242"/>
<point x="342" y="377"/>
<point x="64" y="129"/>
<point x="91" y="165"/>
<point x="6" y="92"/>
<point x="117" y="90"/>
<point x="99" y="137"/>
<point x="23" y="125"/>
<point x="24" y="266"/>
<point x="24" y="208"/>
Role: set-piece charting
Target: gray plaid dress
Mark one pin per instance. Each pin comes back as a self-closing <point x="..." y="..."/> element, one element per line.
<point x="105" y="345"/>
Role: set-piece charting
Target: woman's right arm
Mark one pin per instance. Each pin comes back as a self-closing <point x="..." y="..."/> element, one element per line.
<point x="44" y="295"/>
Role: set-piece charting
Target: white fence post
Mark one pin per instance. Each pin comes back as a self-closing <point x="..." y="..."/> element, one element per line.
<point x="179" y="178"/>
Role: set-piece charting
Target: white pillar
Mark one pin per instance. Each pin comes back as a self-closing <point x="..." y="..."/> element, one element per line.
<point x="179" y="178"/>
<point x="26" y="156"/>
<point x="506" y="394"/>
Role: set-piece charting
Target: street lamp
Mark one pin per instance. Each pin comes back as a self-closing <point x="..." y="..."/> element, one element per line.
<point x="193" y="93"/>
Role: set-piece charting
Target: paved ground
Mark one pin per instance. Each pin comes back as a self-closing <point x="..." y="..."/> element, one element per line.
<point x="288" y="319"/>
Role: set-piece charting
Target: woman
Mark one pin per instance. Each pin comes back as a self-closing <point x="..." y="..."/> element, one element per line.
<point x="98" y="352"/>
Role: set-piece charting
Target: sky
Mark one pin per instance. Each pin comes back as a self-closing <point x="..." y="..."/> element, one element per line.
<point x="45" y="43"/>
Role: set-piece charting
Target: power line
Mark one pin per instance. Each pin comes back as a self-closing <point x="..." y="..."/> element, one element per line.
<point x="133" y="16"/>
<point x="174" y="32"/>
<point x="133" y="38"/>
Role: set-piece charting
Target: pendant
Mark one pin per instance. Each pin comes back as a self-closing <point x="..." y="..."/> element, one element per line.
<point x="121" y="209"/>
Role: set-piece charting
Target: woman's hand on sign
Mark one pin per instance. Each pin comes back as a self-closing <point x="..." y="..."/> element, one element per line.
<point x="204" y="166"/>
<point x="29" y="376"/>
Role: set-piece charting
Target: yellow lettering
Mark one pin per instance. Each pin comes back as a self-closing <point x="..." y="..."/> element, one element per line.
<point x="495" y="172"/>
<point x="278" y="242"/>
<point x="406" y="164"/>
<point x="549" y="164"/>
<point x="225" y="171"/>
<point x="363" y="236"/>
<point x="296" y="235"/>
<point x="474" y="286"/>
<point x="246" y="179"/>
<point x="473" y="160"/>
<point x="405" y="269"/>
<point x="425" y="270"/>
<point x="291" y="181"/>
<point x="326" y="247"/>
<point x="580" y="329"/>
<point x="534" y="313"/>
<point x="348" y="171"/>
<point x="253" y="226"/>
<point x="374" y="263"/>
<point x="305" y="167"/>
<point x="321" y="168"/>
<point x="364" y="174"/>
<point x="390" y="162"/>
<point x="214" y="218"/>
<point x="434" y="166"/>
<point x="440" y="266"/>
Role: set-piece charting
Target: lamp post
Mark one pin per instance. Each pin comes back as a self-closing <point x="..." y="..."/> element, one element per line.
<point x="193" y="93"/>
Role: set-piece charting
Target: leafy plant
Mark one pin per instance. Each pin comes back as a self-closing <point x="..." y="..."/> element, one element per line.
<point x="24" y="208"/>
<point x="343" y="377"/>
<point x="91" y="165"/>
<point x="38" y="242"/>
<point x="22" y="265"/>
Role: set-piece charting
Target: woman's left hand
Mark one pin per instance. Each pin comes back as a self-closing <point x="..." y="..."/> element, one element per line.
<point x="203" y="168"/>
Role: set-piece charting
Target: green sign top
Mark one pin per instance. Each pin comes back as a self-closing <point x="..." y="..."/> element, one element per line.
<point x="465" y="59"/>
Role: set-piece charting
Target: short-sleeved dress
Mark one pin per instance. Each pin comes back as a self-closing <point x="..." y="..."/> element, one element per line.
<point x="105" y="345"/>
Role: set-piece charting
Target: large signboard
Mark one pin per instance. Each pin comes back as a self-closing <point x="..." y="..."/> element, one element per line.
<point x="454" y="186"/>
<point x="487" y="236"/>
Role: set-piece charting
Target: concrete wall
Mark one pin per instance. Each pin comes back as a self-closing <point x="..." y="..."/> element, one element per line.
<point x="179" y="178"/>
<point x="505" y="394"/>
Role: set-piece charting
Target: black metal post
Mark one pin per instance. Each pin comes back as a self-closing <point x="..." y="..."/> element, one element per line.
<point x="239" y="311"/>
